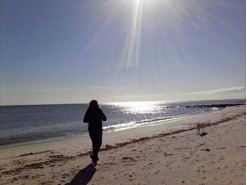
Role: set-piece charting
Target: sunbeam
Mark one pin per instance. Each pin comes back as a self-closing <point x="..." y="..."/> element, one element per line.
<point x="132" y="46"/>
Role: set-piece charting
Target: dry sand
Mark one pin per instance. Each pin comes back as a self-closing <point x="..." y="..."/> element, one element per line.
<point x="169" y="153"/>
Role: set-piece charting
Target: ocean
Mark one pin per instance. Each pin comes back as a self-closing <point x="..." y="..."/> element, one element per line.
<point x="36" y="123"/>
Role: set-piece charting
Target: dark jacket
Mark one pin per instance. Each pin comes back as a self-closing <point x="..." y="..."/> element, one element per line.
<point x="94" y="119"/>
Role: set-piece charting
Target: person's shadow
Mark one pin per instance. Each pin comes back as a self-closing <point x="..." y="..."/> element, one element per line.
<point x="84" y="176"/>
<point x="203" y="134"/>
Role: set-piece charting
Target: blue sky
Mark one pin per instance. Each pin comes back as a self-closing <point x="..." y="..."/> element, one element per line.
<point x="127" y="50"/>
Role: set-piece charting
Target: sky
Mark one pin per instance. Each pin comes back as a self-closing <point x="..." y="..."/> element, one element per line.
<point x="59" y="51"/>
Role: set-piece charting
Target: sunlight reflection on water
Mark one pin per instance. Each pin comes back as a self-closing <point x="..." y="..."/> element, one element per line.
<point x="139" y="107"/>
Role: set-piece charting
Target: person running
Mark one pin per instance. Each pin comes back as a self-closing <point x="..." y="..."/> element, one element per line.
<point x="94" y="117"/>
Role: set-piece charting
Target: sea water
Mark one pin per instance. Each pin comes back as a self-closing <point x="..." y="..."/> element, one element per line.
<point x="29" y="123"/>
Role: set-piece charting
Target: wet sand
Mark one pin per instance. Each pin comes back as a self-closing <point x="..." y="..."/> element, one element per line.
<point x="169" y="153"/>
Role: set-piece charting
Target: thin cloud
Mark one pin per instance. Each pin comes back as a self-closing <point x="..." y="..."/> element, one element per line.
<point x="103" y="88"/>
<point x="139" y="96"/>
<point x="217" y="91"/>
<point x="40" y="90"/>
<point x="51" y="89"/>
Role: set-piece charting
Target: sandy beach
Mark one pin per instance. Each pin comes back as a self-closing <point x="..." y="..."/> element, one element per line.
<point x="167" y="153"/>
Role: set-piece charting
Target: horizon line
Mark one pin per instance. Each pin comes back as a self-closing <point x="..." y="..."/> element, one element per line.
<point x="122" y="102"/>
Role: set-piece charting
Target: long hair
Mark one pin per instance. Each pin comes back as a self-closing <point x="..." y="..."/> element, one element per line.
<point x="94" y="105"/>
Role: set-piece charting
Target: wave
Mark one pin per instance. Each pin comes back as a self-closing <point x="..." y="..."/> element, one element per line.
<point x="133" y="124"/>
<point x="208" y="106"/>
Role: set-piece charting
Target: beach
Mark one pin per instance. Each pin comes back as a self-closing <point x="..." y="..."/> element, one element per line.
<point x="170" y="153"/>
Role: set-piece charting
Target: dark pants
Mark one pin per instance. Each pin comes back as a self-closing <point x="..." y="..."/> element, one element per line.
<point x="96" y="137"/>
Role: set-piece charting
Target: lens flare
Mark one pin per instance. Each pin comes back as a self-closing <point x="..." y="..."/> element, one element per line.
<point x="131" y="50"/>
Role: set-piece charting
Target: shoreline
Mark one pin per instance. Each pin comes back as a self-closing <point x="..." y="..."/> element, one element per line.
<point x="146" y="123"/>
<point x="12" y="137"/>
<point x="41" y="156"/>
<point x="85" y="134"/>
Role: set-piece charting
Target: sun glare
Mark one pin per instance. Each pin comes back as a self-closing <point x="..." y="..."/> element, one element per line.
<point x="138" y="107"/>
